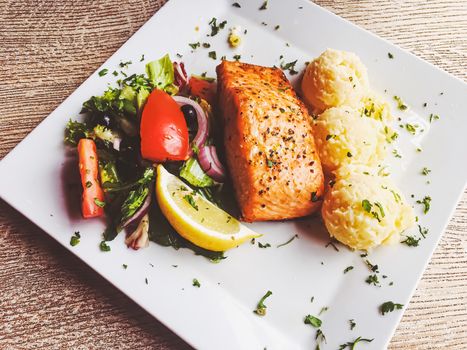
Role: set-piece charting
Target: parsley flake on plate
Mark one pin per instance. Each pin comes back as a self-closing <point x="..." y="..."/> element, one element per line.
<point x="212" y="54"/>
<point x="215" y="27"/>
<point x="261" y="308"/>
<point x="389" y="306"/>
<point x="290" y="240"/>
<point x="103" y="72"/>
<point x="236" y="4"/>
<point x="373" y="279"/>
<point x="75" y="239"/>
<point x="425" y="171"/>
<point x="261" y="245"/>
<point x="313" y="321"/>
<point x="194" y="46"/>
<point x="433" y="117"/>
<point x="400" y="104"/>
<point x="411" y="241"/>
<point x="352" y="324"/>
<point x="290" y="67"/>
<point x="348" y="268"/>
<point x="104" y="247"/>
<point x="264" y="6"/>
<point x="352" y="345"/>
<point x="196" y="283"/>
<point x="426" y="202"/>
<point x="390" y="55"/>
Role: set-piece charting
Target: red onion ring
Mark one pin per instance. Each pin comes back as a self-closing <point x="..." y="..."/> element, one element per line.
<point x="203" y="124"/>
<point x="140" y="212"/>
<point x="180" y="76"/>
<point x="210" y="163"/>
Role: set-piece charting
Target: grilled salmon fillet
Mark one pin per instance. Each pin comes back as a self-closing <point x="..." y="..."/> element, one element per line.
<point x="270" y="151"/>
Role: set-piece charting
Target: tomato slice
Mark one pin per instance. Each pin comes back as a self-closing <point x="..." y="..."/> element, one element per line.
<point x="204" y="89"/>
<point x="92" y="202"/>
<point x="163" y="130"/>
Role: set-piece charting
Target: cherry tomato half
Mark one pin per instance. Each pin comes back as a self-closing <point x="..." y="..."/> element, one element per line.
<point x="163" y="131"/>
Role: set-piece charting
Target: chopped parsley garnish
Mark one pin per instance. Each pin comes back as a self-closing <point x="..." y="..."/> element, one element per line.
<point x="389" y="306"/>
<point x="396" y="154"/>
<point x="426" y="201"/>
<point x="261" y="245"/>
<point x="290" y="67"/>
<point x="425" y="171"/>
<point x="433" y="117"/>
<point x="212" y="54"/>
<point x="261" y="308"/>
<point x="194" y="46"/>
<point x="104" y="247"/>
<point x="99" y="203"/>
<point x="313" y="321"/>
<point x="323" y="309"/>
<point x="236" y="4"/>
<point x="373" y="268"/>
<point x="312" y="299"/>
<point x="290" y="240"/>
<point x="366" y="205"/>
<point x="423" y="231"/>
<point x="142" y="58"/>
<point x="74" y="240"/>
<point x="400" y="104"/>
<point x="319" y="337"/>
<point x="352" y="324"/>
<point x="331" y="243"/>
<point x="352" y="345"/>
<point x="329" y="136"/>
<point x="115" y="73"/>
<point x="103" y="72"/>
<point x="372" y="279"/>
<point x="88" y="184"/>
<point x="214" y="27"/>
<point x="237" y="57"/>
<point x="206" y="45"/>
<point x="412" y="128"/>
<point x="264" y="6"/>
<point x="411" y="241"/>
<point x="277" y="27"/>
<point x="196" y="283"/>
<point x="390" y="55"/>
<point x="124" y="64"/>
<point x="190" y="200"/>
<point x="349" y="154"/>
<point x="348" y="268"/>
<point x="125" y="266"/>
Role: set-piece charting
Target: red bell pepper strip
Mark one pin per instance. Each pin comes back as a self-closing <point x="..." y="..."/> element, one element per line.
<point x="93" y="201"/>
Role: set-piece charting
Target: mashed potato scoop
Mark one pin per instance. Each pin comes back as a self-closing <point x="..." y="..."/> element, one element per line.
<point x="363" y="211"/>
<point x="334" y="79"/>
<point x="344" y="136"/>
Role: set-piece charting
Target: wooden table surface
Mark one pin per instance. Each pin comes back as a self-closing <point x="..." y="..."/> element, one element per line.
<point x="50" y="299"/>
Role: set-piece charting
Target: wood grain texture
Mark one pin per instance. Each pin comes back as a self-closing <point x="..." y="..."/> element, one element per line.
<point x="50" y="299"/>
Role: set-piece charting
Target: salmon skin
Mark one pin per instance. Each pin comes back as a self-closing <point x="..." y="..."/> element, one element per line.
<point x="270" y="151"/>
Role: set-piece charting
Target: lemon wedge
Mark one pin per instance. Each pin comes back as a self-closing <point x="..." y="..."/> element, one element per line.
<point x="195" y="218"/>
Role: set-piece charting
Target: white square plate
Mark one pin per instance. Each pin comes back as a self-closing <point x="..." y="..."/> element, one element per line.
<point x="219" y="314"/>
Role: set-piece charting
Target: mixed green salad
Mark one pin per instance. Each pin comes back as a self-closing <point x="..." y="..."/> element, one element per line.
<point x="161" y="116"/>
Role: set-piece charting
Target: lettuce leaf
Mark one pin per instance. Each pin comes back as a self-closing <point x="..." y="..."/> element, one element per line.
<point x="161" y="72"/>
